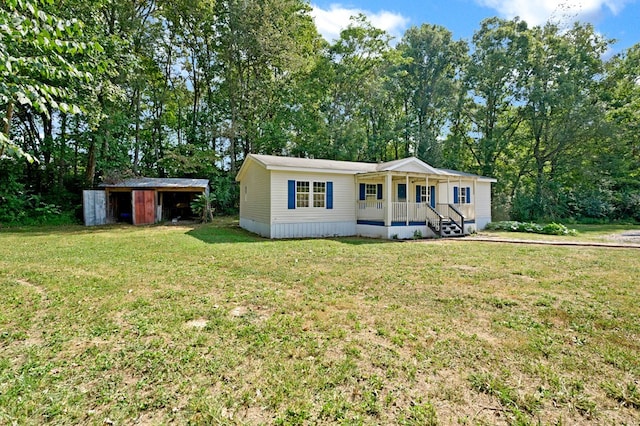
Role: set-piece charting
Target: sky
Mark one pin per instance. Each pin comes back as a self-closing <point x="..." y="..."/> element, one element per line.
<point x="617" y="19"/>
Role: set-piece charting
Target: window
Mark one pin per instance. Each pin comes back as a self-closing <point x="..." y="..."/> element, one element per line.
<point x="310" y="194"/>
<point x="319" y="191"/>
<point x="302" y="194"/>
<point x="424" y="194"/>
<point x="461" y="195"/>
<point x="464" y="197"/>
<point x="371" y="191"/>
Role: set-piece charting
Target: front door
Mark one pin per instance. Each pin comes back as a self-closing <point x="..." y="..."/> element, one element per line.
<point x="144" y="203"/>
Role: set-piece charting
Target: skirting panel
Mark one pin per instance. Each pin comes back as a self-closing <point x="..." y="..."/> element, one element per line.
<point x="481" y="222"/>
<point x="259" y="228"/>
<point x="313" y="230"/>
<point x="394" y="232"/>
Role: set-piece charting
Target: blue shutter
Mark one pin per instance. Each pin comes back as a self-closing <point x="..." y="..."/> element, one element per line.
<point x="418" y="193"/>
<point x="363" y="194"/>
<point x="468" y="195"/>
<point x="292" y="194"/>
<point x="432" y="188"/>
<point x="329" y="195"/>
<point x="402" y="191"/>
<point x="456" y="195"/>
<point x="379" y="191"/>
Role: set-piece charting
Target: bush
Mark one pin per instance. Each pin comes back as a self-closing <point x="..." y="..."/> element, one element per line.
<point x="530" y="227"/>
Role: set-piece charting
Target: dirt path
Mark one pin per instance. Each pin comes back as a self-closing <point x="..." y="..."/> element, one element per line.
<point x="35" y="332"/>
<point x="619" y="242"/>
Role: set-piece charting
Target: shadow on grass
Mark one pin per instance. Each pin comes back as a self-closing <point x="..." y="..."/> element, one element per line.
<point x="228" y="231"/>
<point x="43" y="230"/>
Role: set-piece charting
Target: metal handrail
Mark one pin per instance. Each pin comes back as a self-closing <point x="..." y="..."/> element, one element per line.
<point x="453" y="211"/>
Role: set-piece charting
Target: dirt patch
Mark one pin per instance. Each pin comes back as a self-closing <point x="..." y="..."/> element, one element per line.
<point x="239" y="311"/>
<point x="33" y="287"/>
<point x="199" y="323"/>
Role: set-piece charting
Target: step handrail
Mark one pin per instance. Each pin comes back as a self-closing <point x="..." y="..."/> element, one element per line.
<point x="453" y="211"/>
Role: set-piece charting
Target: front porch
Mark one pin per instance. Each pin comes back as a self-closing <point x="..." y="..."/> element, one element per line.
<point x="411" y="204"/>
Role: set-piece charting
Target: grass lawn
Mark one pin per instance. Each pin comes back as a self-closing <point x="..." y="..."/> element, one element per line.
<point x="211" y="325"/>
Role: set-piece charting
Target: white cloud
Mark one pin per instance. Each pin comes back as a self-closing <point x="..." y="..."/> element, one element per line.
<point x="333" y="20"/>
<point x="539" y="12"/>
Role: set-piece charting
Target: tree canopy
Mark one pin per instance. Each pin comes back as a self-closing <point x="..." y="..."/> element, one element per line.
<point x="108" y="89"/>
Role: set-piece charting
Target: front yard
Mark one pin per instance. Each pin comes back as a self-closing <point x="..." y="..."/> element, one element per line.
<point x="208" y="324"/>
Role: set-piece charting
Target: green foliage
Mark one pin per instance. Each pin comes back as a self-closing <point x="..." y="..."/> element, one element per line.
<point x="203" y="206"/>
<point x="530" y="227"/>
<point x="35" y="66"/>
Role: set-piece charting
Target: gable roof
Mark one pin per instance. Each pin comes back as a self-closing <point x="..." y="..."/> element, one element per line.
<point x="150" y="183"/>
<point x="408" y="165"/>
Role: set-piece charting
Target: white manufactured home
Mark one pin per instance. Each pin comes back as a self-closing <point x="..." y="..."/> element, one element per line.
<point x="284" y="197"/>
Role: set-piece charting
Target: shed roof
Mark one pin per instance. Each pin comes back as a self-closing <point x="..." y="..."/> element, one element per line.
<point x="153" y="183"/>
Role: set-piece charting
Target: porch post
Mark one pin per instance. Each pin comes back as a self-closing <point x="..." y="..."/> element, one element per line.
<point x="426" y="181"/>
<point x="473" y="200"/>
<point x="406" y="199"/>
<point x="448" y="190"/>
<point x="387" y="199"/>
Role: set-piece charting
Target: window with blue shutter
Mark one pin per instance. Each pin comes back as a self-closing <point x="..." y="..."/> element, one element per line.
<point x="379" y="191"/>
<point x="468" y="195"/>
<point x="363" y="193"/>
<point x="456" y="195"/>
<point x="292" y="194"/>
<point x="418" y="193"/>
<point x="329" y="195"/>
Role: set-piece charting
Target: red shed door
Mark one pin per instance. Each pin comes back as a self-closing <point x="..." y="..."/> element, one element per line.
<point x="144" y="207"/>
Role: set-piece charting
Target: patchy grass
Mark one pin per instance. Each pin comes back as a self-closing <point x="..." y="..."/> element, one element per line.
<point x="211" y="325"/>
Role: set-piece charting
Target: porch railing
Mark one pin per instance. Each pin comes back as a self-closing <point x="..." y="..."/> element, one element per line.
<point x="371" y="210"/>
<point x="408" y="213"/>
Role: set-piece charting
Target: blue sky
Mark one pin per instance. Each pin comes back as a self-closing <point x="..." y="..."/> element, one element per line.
<point x="618" y="19"/>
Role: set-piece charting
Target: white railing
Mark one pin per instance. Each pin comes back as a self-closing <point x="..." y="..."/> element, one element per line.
<point x="408" y="212"/>
<point x="371" y="210"/>
<point x="398" y="212"/>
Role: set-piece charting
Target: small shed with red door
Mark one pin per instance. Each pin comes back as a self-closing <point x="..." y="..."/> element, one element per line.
<point x="142" y="201"/>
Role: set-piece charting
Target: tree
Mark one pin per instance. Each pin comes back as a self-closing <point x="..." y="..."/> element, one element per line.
<point x="36" y="63"/>
<point x="430" y="84"/>
<point x="492" y="80"/>
<point x="558" y="104"/>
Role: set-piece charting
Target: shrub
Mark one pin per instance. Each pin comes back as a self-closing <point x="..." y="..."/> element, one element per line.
<point x="530" y="227"/>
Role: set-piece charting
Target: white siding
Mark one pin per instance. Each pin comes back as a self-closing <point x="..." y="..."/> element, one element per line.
<point x="344" y="199"/>
<point x="314" y="229"/>
<point x="255" y="195"/>
<point x="259" y="228"/>
<point x="483" y="204"/>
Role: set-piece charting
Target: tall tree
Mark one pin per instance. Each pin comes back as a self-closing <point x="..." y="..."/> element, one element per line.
<point x="430" y="84"/>
<point x="492" y="79"/>
<point x="558" y="101"/>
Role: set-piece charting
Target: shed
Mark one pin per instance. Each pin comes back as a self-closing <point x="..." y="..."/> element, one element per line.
<point x="142" y="201"/>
